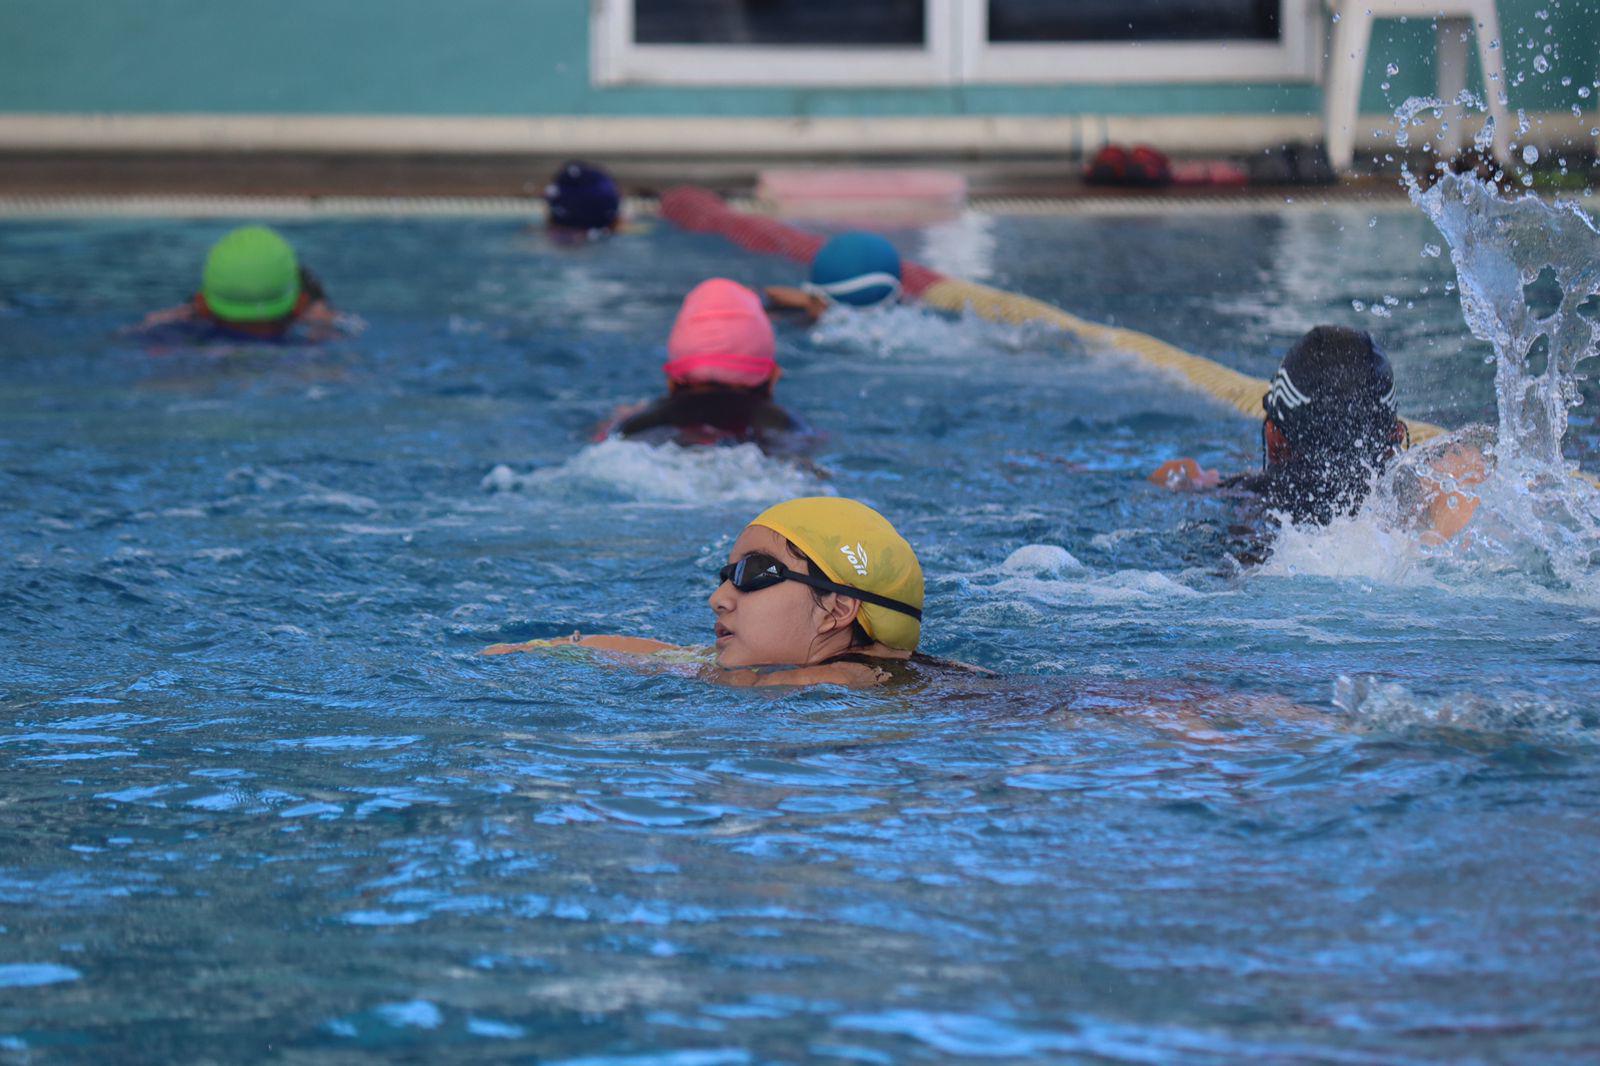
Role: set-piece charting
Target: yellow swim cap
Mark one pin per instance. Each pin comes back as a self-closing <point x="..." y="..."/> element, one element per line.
<point x="854" y="545"/>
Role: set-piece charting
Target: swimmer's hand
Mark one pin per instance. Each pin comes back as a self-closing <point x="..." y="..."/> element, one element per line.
<point x="790" y="298"/>
<point x="619" y="416"/>
<point x="642" y="646"/>
<point x="322" y="322"/>
<point x="1184" y="475"/>
<point x="165" y="317"/>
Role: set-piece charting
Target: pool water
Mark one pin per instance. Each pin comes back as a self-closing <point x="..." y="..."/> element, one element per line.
<point x="264" y="799"/>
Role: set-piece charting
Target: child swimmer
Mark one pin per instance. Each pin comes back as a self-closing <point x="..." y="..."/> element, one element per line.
<point x="721" y="369"/>
<point x="582" y="203"/>
<point x="1330" y="428"/>
<point x="819" y="590"/>
<point x="252" y="287"/>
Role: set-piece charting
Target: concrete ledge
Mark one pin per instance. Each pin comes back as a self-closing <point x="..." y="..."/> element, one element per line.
<point x="300" y="207"/>
<point x="613" y="137"/>
<point x="357" y="156"/>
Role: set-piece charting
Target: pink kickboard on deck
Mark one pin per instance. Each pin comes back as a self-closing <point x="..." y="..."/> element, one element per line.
<point x="818" y="192"/>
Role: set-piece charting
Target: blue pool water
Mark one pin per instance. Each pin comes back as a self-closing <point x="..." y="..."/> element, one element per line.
<point x="263" y="799"/>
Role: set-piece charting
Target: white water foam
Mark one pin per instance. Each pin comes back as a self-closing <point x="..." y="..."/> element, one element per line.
<point x="1048" y="574"/>
<point x="914" y="329"/>
<point x="1380" y="706"/>
<point x="1040" y="560"/>
<point x="665" y="473"/>
<point x="1367" y="546"/>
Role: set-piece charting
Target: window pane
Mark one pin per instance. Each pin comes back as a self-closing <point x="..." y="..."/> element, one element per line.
<point x="779" y="22"/>
<point x="1132" y="20"/>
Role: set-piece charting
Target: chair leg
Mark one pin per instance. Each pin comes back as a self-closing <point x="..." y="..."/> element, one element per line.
<point x="1495" y="89"/>
<point x="1450" y="63"/>
<point x="1341" y="90"/>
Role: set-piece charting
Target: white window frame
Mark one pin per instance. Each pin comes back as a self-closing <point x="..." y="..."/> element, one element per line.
<point x="1292" y="57"/>
<point x="957" y="51"/>
<point x="617" y="60"/>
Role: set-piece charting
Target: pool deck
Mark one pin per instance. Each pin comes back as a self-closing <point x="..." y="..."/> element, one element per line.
<point x="244" y="174"/>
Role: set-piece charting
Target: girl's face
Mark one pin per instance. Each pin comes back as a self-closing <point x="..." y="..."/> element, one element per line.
<point x="775" y="626"/>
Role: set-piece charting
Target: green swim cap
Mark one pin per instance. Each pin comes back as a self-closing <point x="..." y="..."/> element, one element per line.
<point x="251" y="275"/>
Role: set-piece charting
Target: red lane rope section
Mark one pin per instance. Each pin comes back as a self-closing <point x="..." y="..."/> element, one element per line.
<point x="702" y="211"/>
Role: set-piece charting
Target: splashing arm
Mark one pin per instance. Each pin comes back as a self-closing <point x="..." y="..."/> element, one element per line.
<point x="1184" y="475"/>
<point x="1448" y="500"/>
<point x="781" y="298"/>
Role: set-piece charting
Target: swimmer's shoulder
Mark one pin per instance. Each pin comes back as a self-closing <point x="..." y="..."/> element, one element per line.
<point x="850" y="670"/>
<point x="864" y="674"/>
<point x="918" y="666"/>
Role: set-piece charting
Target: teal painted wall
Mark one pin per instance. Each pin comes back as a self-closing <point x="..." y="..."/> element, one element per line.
<point x="530" y="57"/>
<point x="1569" y="29"/>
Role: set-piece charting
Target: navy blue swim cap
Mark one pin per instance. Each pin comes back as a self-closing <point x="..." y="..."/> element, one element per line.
<point x="582" y="197"/>
<point x="859" y="269"/>
<point x="1334" y="382"/>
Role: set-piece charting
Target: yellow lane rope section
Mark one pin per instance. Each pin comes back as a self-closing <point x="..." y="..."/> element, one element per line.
<point x="1240" y="391"/>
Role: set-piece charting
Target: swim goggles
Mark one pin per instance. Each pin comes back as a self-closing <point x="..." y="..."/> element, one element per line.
<point x="834" y="291"/>
<point x="758" y="571"/>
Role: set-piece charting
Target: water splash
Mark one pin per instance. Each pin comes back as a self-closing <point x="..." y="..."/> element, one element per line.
<point x="1367" y="546"/>
<point x="1509" y="255"/>
<point x="1499" y="248"/>
<point x="912" y="329"/>
<point x="1523" y="269"/>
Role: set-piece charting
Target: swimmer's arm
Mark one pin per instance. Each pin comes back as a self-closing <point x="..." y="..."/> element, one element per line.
<point x="164" y="317"/>
<point x="322" y="320"/>
<point x="640" y="646"/>
<point x="619" y="422"/>
<point x="790" y="298"/>
<point x="1449" y="502"/>
<point x="1184" y="475"/>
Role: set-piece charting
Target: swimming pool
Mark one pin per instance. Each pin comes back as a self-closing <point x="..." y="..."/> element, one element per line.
<point x="263" y="798"/>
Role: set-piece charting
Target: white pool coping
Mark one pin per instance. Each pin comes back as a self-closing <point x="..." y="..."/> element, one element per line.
<point x="300" y="207"/>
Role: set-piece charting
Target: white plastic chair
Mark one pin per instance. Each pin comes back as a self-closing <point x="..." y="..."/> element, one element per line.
<point x="1453" y="19"/>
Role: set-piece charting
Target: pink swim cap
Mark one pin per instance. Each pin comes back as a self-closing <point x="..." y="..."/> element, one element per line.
<point x="722" y="336"/>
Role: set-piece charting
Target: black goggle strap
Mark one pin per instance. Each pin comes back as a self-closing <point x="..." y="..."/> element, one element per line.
<point x="735" y="572"/>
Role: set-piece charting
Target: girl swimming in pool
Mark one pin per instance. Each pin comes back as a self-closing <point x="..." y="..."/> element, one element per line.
<point x="252" y="287"/>
<point x="721" y="369"/>
<point x="1330" y="428"/>
<point x="582" y="203"/>
<point x="819" y="590"/>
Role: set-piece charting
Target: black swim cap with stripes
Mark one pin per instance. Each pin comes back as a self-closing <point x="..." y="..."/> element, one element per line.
<point x="1333" y="401"/>
<point x="1334" y="381"/>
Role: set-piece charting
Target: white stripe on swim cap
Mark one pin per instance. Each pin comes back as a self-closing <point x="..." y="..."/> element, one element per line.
<point x="1286" y="393"/>
<point x="856" y="284"/>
